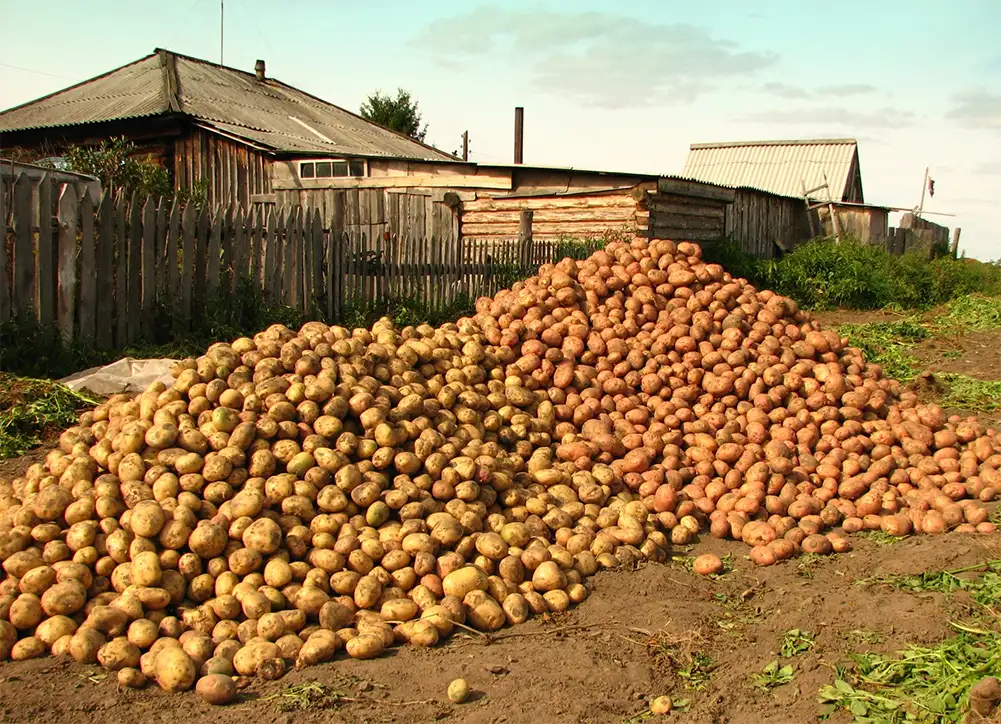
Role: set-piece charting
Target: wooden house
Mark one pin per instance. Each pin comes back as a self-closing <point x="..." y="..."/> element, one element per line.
<point x="773" y="182"/>
<point x="209" y="123"/>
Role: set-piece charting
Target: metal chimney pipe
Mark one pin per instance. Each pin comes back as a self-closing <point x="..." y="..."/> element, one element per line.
<point x="519" y="134"/>
<point x="259" y="68"/>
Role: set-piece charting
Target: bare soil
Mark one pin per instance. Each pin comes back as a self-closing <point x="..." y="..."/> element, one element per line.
<point x="635" y="638"/>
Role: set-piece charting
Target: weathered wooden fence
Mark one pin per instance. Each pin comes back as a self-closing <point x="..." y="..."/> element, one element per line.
<point x="108" y="269"/>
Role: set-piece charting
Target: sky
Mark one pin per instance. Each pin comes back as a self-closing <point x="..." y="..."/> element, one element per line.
<point x="608" y="86"/>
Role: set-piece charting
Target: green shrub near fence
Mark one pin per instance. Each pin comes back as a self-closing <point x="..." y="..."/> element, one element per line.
<point x="826" y="274"/>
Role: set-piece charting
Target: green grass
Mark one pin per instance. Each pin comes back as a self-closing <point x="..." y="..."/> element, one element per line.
<point x="773" y="675"/>
<point x="881" y="538"/>
<point x="918" y="684"/>
<point x="29" y="408"/>
<point x="795" y="642"/>
<point x="888" y="344"/>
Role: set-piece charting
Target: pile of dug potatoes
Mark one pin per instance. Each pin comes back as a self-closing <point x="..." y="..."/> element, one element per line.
<point x="296" y="495"/>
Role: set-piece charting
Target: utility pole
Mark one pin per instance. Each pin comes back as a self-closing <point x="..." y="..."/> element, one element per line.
<point x="222" y="16"/>
<point x="465" y="145"/>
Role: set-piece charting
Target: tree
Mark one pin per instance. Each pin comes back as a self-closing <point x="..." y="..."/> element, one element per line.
<point x="399" y="114"/>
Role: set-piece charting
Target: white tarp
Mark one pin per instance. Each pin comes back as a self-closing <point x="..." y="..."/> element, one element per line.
<point x="127" y="375"/>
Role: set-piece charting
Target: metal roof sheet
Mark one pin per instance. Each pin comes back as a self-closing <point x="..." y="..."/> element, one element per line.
<point x="779" y="167"/>
<point x="269" y="113"/>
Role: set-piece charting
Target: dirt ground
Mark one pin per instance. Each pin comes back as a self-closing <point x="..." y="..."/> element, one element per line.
<point x="656" y="630"/>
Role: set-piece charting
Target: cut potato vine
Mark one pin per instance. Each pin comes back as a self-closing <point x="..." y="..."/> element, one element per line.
<point x="295" y="497"/>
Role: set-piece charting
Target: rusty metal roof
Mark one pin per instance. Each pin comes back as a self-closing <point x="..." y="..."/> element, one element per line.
<point x="779" y="167"/>
<point x="267" y="113"/>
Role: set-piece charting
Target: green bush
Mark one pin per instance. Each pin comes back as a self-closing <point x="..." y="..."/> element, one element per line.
<point x="826" y="274"/>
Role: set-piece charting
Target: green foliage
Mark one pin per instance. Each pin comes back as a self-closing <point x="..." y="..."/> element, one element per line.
<point x="984" y="589"/>
<point x="922" y="684"/>
<point x="773" y="675"/>
<point x="400" y="114"/>
<point x="698" y="672"/>
<point x="581" y="247"/>
<point x="827" y="274"/>
<point x="795" y="642"/>
<point x="120" y="169"/>
<point x="29" y="408"/>
<point x="887" y="344"/>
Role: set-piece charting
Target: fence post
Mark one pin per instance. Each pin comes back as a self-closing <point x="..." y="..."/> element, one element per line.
<point x="45" y="262"/>
<point x="525" y="239"/>
<point x="24" y="249"/>
<point x="954" y="247"/>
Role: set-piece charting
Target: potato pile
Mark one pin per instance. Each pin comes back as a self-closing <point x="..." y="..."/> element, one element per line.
<point x="296" y="495"/>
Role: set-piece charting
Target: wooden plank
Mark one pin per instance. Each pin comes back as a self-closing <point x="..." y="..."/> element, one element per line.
<point x="203" y="233"/>
<point x="687" y="234"/>
<point x="67" y="275"/>
<point x="498" y="181"/>
<point x="87" y="296"/>
<point x="580" y="202"/>
<point x="23" y="298"/>
<point x="148" y="267"/>
<point x="276" y="255"/>
<point x="611" y="215"/>
<point x="293" y="257"/>
<point x="5" y="311"/>
<point x="189" y="222"/>
<point x="172" y="256"/>
<point x="104" y="242"/>
<point x="45" y="261"/>
<point x="241" y="248"/>
<point x="226" y="275"/>
<point x="134" y="273"/>
<point x="269" y="252"/>
<point x="160" y="253"/>
<point x="213" y="255"/>
<point x="316" y="282"/>
<point x="695" y="189"/>
<point x="540" y="230"/>
<point x="121" y="270"/>
<point x="660" y="209"/>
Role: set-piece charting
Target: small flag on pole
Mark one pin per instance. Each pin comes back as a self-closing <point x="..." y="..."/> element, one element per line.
<point x="931" y="187"/>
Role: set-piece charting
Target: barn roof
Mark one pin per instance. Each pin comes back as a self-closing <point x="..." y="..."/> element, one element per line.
<point x="778" y="167"/>
<point x="267" y="113"/>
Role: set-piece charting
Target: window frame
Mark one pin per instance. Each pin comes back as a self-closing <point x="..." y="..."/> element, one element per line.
<point x="346" y="164"/>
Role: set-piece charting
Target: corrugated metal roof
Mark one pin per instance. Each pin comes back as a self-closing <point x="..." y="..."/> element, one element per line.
<point x="779" y="167"/>
<point x="268" y="113"/>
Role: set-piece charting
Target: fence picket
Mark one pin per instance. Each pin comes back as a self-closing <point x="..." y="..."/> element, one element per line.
<point x="160" y="253"/>
<point x="213" y="255"/>
<point x="46" y="260"/>
<point x="23" y="298"/>
<point x="105" y="253"/>
<point x="172" y="255"/>
<point x="257" y="221"/>
<point x="4" y="265"/>
<point x="202" y="233"/>
<point x="226" y="272"/>
<point x="133" y="274"/>
<point x="269" y="269"/>
<point x="87" y="270"/>
<point x="121" y="268"/>
<point x="189" y="222"/>
<point x="67" y="276"/>
<point x="316" y="292"/>
<point x="148" y="266"/>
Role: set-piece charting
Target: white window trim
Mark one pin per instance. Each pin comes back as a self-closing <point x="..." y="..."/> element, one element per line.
<point x="314" y="161"/>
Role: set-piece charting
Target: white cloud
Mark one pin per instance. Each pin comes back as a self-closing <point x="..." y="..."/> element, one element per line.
<point x="976" y="109"/>
<point x="595" y="58"/>
<point x="835" y="117"/>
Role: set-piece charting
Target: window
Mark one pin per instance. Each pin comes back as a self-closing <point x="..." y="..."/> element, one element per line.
<point x="333" y="168"/>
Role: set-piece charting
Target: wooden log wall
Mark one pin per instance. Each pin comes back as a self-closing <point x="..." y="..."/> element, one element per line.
<point x="233" y="171"/>
<point x="685" y="218"/>
<point x="868" y="225"/>
<point x="578" y="215"/>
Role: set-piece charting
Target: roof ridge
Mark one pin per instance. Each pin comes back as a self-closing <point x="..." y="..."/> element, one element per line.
<point x="789" y="142"/>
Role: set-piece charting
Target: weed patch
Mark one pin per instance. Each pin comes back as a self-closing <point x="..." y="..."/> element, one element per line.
<point x="887" y="344"/>
<point x="773" y="675"/>
<point x="924" y="684"/>
<point x="795" y="642"/>
<point x="30" y="408"/>
<point x="969" y="393"/>
<point x="971" y="312"/>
